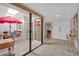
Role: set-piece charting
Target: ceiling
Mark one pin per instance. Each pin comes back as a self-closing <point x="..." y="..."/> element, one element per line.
<point x="5" y="10"/>
<point x="50" y="10"/>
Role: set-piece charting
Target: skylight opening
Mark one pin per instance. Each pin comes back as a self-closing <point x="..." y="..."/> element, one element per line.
<point x="12" y="11"/>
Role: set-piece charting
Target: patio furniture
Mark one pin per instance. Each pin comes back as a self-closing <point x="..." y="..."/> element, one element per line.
<point x="7" y="44"/>
<point x="17" y="35"/>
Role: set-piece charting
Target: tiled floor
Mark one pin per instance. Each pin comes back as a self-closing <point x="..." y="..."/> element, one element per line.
<point x="50" y="48"/>
<point x="54" y="49"/>
<point x="21" y="47"/>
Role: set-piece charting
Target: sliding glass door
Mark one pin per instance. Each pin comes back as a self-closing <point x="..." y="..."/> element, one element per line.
<point x="36" y="31"/>
<point x="20" y="32"/>
<point x="26" y="36"/>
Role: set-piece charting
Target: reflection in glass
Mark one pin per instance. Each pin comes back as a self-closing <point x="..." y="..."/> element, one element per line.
<point x="36" y="31"/>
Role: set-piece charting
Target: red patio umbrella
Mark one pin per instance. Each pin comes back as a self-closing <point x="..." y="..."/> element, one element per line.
<point x="9" y="19"/>
<point x="2" y="21"/>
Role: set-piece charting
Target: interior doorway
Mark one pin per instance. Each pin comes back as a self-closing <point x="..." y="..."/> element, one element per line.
<point x="48" y="30"/>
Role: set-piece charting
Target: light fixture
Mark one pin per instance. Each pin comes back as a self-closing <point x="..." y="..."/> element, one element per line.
<point x="12" y="11"/>
<point x="57" y="15"/>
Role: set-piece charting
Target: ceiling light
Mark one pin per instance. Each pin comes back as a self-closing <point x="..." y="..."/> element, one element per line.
<point x="57" y="15"/>
<point x="12" y="11"/>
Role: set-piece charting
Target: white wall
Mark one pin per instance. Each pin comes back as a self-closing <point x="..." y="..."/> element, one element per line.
<point x="3" y="11"/>
<point x="65" y="29"/>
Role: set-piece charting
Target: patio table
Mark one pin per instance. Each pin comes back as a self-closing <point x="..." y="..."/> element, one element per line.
<point x="5" y="43"/>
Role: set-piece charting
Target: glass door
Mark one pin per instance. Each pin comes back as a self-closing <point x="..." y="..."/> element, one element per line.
<point x="22" y="44"/>
<point x="36" y="31"/>
<point x="20" y="32"/>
